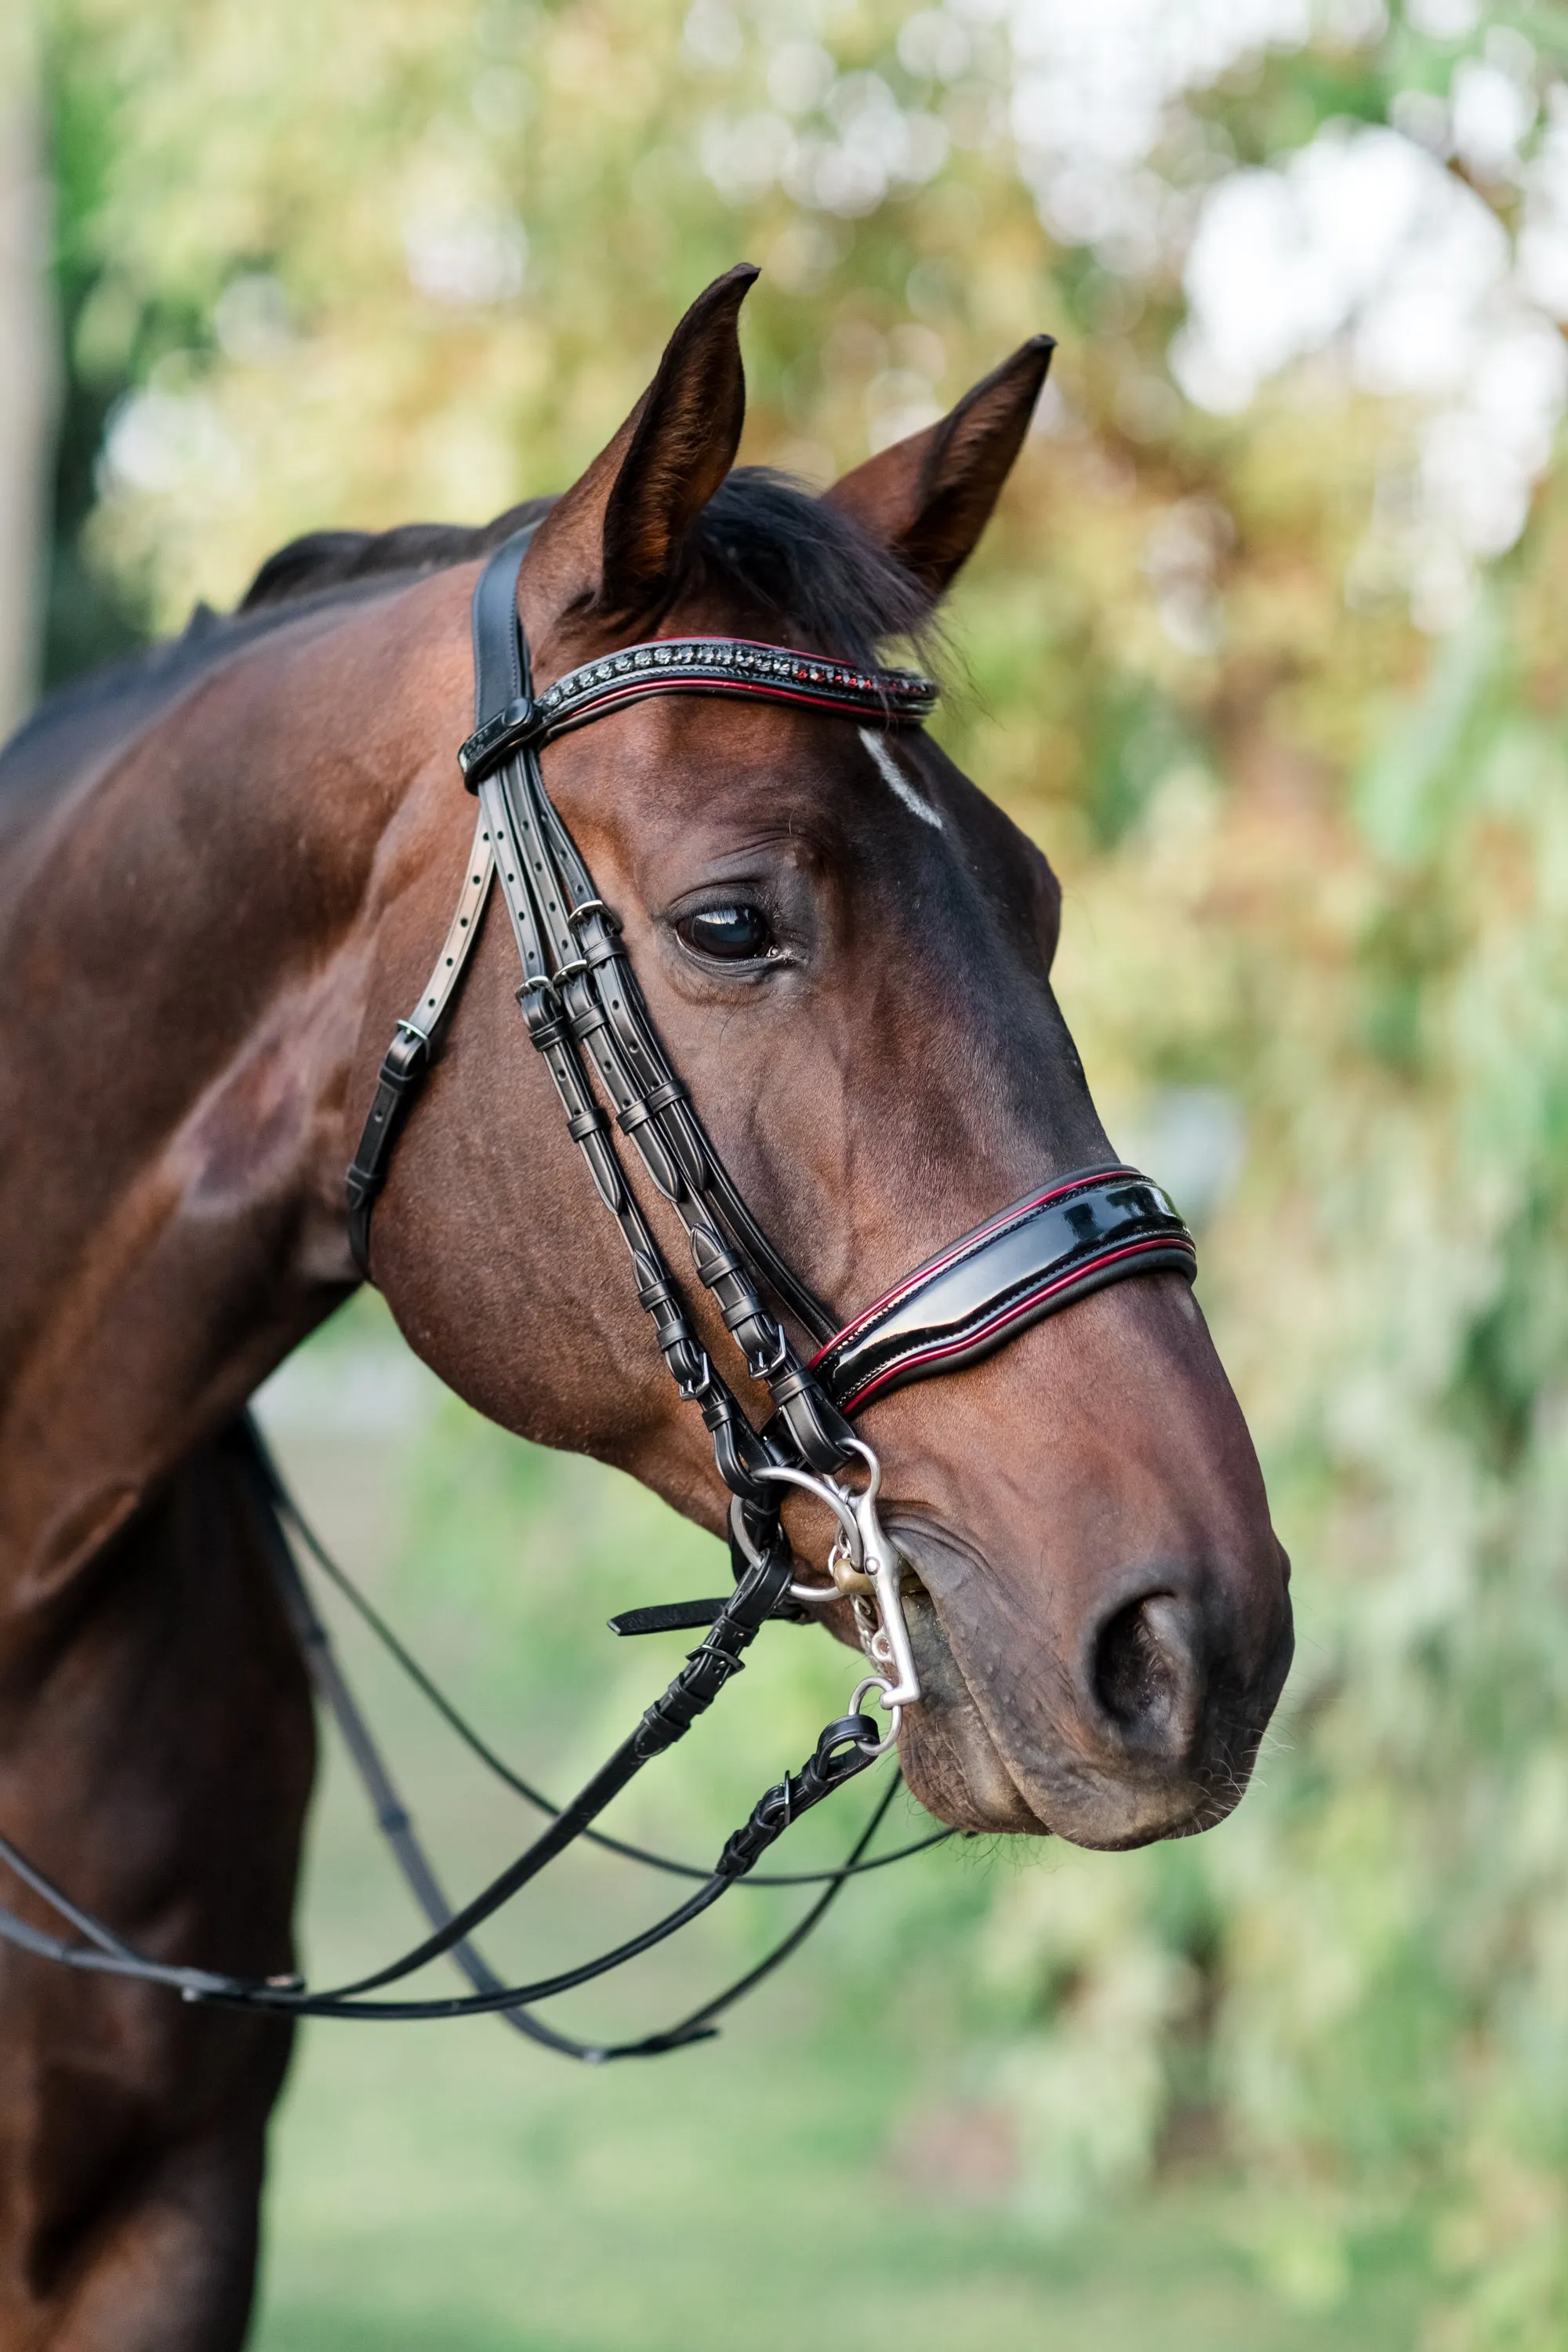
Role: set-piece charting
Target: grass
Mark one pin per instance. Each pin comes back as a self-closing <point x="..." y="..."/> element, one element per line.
<point x="462" y="2198"/>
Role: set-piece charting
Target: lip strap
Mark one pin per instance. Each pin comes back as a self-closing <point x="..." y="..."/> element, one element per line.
<point x="1033" y="1259"/>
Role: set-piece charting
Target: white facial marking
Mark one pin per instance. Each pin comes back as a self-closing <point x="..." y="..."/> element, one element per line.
<point x="893" y="774"/>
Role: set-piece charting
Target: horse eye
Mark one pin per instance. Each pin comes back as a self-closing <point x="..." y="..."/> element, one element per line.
<point x="734" y="934"/>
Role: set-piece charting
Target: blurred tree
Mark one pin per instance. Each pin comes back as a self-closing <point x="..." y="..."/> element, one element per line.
<point x="28" y="381"/>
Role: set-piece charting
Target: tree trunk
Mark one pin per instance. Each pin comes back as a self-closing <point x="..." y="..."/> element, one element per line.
<point x="29" y="374"/>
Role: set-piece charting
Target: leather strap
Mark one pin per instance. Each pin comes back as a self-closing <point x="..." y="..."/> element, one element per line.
<point x="1048" y="1249"/>
<point x="499" y="675"/>
<point x="407" y="1057"/>
<point x="888" y="698"/>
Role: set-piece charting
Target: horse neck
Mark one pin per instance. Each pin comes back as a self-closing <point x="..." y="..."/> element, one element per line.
<point x="193" y="927"/>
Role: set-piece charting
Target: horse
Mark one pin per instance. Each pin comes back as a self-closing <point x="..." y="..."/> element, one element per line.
<point x="224" y="866"/>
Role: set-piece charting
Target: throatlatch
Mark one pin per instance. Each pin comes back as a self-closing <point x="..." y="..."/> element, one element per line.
<point x="587" y="1018"/>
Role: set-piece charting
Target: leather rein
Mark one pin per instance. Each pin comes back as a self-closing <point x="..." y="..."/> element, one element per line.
<point x="586" y="1016"/>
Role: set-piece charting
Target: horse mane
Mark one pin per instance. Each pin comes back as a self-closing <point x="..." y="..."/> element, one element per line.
<point x="762" y="539"/>
<point x="323" y="561"/>
<point x="762" y="536"/>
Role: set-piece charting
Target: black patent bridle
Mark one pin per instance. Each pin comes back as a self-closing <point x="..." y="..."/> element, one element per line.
<point x="586" y="1016"/>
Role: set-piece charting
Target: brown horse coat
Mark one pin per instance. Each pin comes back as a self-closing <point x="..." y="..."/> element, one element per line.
<point x="223" y="873"/>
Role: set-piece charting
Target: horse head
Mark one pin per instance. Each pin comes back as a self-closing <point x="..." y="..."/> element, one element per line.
<point x="846" y="950"/>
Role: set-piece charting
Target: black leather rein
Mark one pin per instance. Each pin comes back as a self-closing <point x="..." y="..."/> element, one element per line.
<point x="587" y="1018"/>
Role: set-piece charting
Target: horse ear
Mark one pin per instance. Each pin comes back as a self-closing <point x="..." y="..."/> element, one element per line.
<point x="929" y="498"/>
<point x="612" y="545"/>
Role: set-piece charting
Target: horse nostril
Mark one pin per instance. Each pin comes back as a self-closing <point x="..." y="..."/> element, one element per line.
<point x="1145" y="1676"/>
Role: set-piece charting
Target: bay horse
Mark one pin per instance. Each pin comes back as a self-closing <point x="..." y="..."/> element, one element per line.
<point x="223" y="868"/>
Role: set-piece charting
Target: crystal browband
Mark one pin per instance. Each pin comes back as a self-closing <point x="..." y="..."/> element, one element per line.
<point x="890" y="697"/>
<point x="1048" y="1249"/>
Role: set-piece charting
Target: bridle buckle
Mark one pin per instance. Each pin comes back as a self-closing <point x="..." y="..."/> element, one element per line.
<point x="520" y="723"/>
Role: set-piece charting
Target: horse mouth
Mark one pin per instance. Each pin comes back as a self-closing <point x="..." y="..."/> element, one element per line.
<point x="947" y="1753"/>
<point x="1002" y="1743"/>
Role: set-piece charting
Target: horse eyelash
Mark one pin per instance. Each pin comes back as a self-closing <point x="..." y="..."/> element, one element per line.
<point x="893" y="774"/>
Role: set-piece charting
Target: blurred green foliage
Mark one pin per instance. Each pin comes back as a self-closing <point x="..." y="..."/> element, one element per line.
<point x="349" y="262"/>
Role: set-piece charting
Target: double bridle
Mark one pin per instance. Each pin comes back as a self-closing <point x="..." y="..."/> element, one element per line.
<point x="586" y="1015"/>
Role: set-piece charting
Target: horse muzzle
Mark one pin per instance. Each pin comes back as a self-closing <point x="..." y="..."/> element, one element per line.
<point x="1142" y="1723"/>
